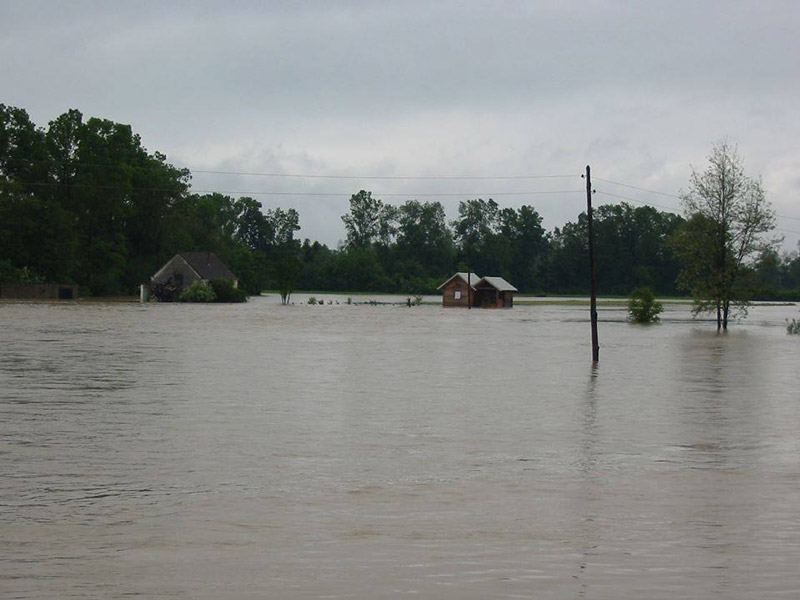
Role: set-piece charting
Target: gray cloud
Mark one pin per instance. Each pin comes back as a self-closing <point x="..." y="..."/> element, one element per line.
<point x="638" y="90"/>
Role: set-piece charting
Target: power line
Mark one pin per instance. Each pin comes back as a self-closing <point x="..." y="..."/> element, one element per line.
<point x="372" y="178"/>
<point x="309" y="175"/>
<point x="670" y="208"/>
<point x="310" y="194"/>
<point x="379" y="178"/>
<point x="389" y="177"/>
<point x="633" y="187"/>
<point x="641" y="189"/>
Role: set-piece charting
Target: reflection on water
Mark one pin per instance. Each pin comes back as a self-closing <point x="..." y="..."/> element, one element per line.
<point x="384" y="451"/>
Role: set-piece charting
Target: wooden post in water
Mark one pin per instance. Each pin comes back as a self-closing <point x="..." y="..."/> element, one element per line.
<point x="469" y="277"/>
<point x="469" y="288"/>
<point x="592" y="280"/>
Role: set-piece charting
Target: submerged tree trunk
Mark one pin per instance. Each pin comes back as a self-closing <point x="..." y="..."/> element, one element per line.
<point x="725" y="306"/>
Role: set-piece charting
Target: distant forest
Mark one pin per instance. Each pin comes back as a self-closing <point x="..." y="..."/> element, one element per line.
<point x="82" y="201"/>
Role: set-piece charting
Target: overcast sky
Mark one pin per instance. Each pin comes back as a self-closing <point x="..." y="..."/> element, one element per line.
<point x="638" y="90"/>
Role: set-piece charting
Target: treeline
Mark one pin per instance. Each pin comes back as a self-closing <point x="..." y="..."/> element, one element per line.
<point x="82" y="201"/>
<point x="411" y="248"/>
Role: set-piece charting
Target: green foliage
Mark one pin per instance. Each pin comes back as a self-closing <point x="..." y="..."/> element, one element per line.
<point x="225" y="291"/>
<point x="793" y="327"/>
<point x="369" y="221"/>
<point x="10" y="274"/>
<point x="312" y="301"/>
<point x="198" y="291"/>
<point x="643" y="306"/>
<point x="162" y="292"/>
<point x="728" y="218"/>
<point x="83" y="201"/>
<point x="631" y="250"/>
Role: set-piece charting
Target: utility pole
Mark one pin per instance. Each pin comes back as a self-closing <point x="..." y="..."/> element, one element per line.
<point x="469" y="287"/>
<point x="592" y="280"/>
<point x="469" y="276"/>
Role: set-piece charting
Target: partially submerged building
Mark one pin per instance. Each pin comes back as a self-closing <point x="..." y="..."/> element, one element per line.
<point x="494" y="292"/>
<point x="459" y="289"/>
<point x="39" y="291"/>
<point x="468" y="289"/>
<point x="183" y="269"/>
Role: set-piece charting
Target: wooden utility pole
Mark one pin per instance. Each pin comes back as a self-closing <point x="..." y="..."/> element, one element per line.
<point x="469" y="275"/>
<point x="592" y="280"/>
<point x="469" y="287"/>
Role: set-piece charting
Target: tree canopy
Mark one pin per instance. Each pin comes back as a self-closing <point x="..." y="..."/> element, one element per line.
<point x="727" y="217"/>
<point x="83" y="201"/>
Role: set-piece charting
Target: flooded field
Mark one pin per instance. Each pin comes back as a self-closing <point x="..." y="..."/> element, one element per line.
<point x="337" y="451"/>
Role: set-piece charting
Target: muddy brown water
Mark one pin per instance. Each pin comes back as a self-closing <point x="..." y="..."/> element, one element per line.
<point x="260" y="451"/>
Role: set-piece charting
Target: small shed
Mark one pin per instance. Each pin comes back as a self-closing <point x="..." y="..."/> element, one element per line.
<point x="482" y="292"/>
<point x="494" y="292"/>
<point x="185" y="268"/>
<point x="459" y="289"/>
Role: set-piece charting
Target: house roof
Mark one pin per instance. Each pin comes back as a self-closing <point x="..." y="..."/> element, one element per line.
<point x="470" y="278"/>
<point x="207" y="265"/>
<point x="500" y="284"/>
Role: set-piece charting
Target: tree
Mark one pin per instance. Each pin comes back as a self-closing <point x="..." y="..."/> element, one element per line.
<point x="728" y="214"/>
<point x="253" y="229"/>
<point x="286" y="249"/>
<point x="643" y="306"/>
<point x="369" y="221"/>
<point x="529" y="243"/>
<point x="424" y="241"/>
<point x="482" y="248"/>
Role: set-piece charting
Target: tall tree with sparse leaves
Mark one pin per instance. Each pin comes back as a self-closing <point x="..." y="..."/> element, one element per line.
<point x="728" y="216"/>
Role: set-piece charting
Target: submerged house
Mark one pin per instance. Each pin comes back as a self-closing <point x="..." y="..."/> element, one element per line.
<point x="494" y="292"/>
<point x="39" y="291"/>
<point x="185" y="268"/>
<point x="467" y="289"/>
<point x="459" y="290"/>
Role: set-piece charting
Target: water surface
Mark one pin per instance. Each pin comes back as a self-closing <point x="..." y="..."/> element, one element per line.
<point x="261" y="451"/>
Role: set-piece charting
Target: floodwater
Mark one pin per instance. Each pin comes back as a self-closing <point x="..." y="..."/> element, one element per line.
<point x="302" y="452"/>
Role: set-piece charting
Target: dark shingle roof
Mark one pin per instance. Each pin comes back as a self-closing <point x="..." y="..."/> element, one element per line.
<point x="470" y="278"/>
<point x="500" y="284"/>
<point x="208" y="265"/>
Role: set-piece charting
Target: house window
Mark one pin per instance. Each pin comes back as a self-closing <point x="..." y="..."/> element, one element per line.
<point x="457" y="295"/>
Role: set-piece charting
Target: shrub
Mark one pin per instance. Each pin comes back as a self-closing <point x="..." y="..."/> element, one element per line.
<point x="162" y="292"/>
<point x="312" y="300"/>
<point x="10" y="274"/>
<point x="226" y="292"/>
<point x="198" y="291"/>
<point x="643" y="306"/>
<point x="793" y="327"/>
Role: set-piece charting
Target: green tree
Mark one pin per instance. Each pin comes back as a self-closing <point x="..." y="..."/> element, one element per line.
<point x="728" y="215"/>
<point x="369" y="221"/>
<point x="317" y="266"/>
<point x="529" y="244"/>
<point x="23" y="153"/>
<point x="424" y="241"/>
<point x="35" y="231"/>
<point x="643" y="306"/>
<point x="632" y="249"/>
<point x="253" y="229"/>
<point x="287" y="263"/>
<point x="481" y="245"/>
<point x="568" y="258"/>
